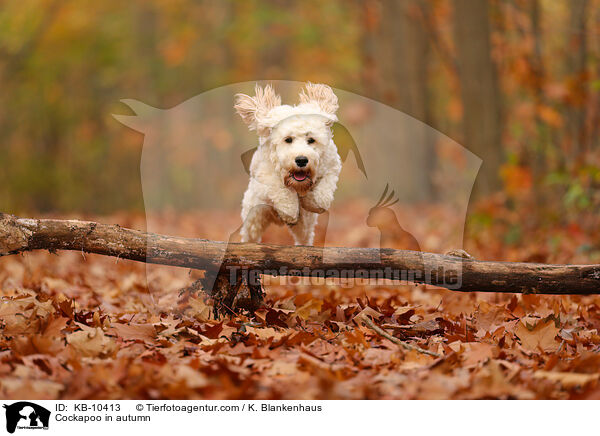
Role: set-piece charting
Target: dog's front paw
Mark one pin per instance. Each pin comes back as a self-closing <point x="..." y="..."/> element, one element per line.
<point x="316" y="201"/>
<point x="289" y="214"/>
<point x="290" y="220"/>
<point x="309" y="204"/>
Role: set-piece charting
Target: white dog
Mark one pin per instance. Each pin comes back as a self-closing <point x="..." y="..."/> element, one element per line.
<point x="295" y="170"/>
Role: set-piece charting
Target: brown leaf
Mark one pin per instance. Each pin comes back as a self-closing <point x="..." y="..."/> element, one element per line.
<point x="367" y="311"/>
<point x="567" y="379"/>
<point x="91" y="342"/>
<point x="426" y="328"/>
<point x="309" y="309"/>
<point x="129" y="332"/>
<point x="541" y="336"/>
<point x="55" y="326"/>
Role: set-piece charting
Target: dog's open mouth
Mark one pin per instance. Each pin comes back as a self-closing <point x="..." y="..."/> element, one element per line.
<point x="300" y="176"/>
<point x="300" y="181"/>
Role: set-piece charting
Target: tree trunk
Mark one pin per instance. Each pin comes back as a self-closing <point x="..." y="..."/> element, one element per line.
<point x="538" y="153"/>
<point x="577" y="77"/>
<point x="412" y="76"/>
<point x="18" y="235"/>
<point x="396" y="52"/>
<point x="482" y="121"/>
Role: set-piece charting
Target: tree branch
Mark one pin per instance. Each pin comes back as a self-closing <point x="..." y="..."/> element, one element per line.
<point x="395" y="340"/>
<point x="18" y="235"/>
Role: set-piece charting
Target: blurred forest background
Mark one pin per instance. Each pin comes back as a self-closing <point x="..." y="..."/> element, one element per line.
<point x="515" y="81"/>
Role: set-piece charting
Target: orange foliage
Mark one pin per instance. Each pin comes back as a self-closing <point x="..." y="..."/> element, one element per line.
<point x="76" y="326"/>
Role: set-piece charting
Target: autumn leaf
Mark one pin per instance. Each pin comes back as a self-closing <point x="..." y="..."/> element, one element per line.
<point x="550" y="115"/>
<point x="55" y="326"/>
<point x="541" y="336"/>
<point x="200" y="310"/>
<point x="367" y="312"/>
<point x="267" y="333"/>
<point x="143" y="332"/>
<point x="91" y="342"/>
<point x="568" y="380"/>
<point x="309" y="309"/>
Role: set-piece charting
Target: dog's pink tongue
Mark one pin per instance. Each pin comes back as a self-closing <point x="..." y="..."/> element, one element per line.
<point x="300" y="177"/>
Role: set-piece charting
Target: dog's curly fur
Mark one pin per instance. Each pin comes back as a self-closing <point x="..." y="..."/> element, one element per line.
<point x="281" y="189"/>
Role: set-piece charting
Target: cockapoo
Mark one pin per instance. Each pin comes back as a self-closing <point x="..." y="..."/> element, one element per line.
<point x="295" y="169"/>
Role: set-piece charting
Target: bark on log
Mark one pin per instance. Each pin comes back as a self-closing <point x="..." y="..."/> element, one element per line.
<point x="18" y="235"/>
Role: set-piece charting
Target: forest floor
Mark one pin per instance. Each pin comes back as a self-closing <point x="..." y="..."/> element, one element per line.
<point x="81" y="326"/>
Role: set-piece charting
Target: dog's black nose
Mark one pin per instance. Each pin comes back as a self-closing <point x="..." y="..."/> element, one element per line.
<point x="301" y="161"/>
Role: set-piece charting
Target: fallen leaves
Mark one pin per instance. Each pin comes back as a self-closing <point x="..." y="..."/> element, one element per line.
<point x="91" y="342"/>
<point x="542" y="336"/>
<point x="308" y="309"/>
<point x="473" y="353"/>
<point x="74" y="327"/>
<point x="568" y="380"/>
<point x="142" y="332"/>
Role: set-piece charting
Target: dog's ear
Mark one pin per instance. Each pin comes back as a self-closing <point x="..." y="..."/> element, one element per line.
<point x="322" y="96"/>
<point x="253" y="109"/>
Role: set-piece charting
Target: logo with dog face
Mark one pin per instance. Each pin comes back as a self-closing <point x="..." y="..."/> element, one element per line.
<point x="26" y="415"/>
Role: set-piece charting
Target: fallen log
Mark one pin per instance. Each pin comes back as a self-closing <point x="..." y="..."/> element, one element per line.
<point x="18" y="235"/>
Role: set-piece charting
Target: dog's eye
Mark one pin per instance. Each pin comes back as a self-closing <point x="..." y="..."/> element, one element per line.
<point x="311" y="140"/>
<point x="289" y="139"/>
